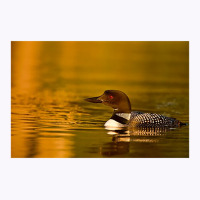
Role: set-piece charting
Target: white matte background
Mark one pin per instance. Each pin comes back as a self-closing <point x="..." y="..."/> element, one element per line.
<point x="97" y="179"/>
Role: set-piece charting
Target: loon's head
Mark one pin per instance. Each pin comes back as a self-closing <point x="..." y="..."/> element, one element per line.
<point x="116" y="99"/>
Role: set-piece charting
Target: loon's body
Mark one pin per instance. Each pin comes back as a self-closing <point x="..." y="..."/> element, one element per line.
<point x="124" y="117"/>
<point x="138" y="119"/>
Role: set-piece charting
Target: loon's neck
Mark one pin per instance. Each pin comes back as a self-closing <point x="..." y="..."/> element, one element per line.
<point x="118" y="120"/>
<point x="123" y="116"/>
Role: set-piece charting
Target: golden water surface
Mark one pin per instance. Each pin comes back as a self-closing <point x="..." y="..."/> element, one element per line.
<point x="51" y="79"/>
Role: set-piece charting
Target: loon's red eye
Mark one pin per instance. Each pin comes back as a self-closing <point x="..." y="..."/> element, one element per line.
<point x="111" y="97"/>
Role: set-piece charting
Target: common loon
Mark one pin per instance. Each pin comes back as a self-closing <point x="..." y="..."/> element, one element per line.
<point x="124" y="117"/>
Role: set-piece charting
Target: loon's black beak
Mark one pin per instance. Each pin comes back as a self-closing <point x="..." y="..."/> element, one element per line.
<point x="94" y="100"/>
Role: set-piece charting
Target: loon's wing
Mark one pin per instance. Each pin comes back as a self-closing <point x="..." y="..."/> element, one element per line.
<point x="153" y="120"/>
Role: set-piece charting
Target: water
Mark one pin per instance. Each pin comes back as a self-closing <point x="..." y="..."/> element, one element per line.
<point x="50" y="80"/>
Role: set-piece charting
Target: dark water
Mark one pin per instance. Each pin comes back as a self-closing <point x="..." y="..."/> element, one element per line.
<point x="51" y="79"/>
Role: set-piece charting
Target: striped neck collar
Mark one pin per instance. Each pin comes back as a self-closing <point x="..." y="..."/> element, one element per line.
<point x="122" y="118"/>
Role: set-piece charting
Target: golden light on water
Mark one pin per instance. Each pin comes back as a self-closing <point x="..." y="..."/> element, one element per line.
<point x="50" y="80"/>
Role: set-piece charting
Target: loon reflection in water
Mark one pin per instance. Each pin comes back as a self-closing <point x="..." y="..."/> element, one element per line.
<point x="138" y="134"/>
<point x="123" y="139"/>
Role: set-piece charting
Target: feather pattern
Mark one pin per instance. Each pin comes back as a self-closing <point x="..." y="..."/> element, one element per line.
<point x="140" y="119"/>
